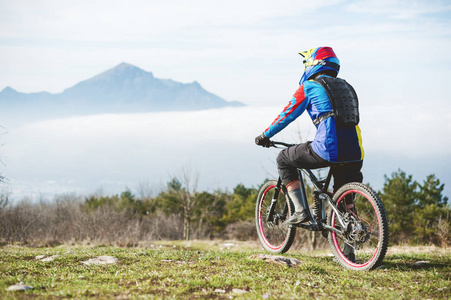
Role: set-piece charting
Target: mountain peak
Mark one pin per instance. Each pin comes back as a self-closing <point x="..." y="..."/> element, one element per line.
<point x="121" y="72"/>
<point x="123" y="66"/>
<point x="9" y="91"/>
<point x="127" y="69"/>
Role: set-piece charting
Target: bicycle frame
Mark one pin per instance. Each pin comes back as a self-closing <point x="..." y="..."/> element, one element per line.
<point x="322" y="187"/>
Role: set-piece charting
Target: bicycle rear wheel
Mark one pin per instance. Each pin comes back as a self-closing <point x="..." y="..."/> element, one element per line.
<point x="365" y="240"/>
<point x="274" y="235"/>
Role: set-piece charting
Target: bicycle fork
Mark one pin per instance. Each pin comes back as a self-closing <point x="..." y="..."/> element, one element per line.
<point x="272" y="207"/>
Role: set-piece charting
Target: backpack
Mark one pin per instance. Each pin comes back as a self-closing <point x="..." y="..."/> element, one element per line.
<point x="344" y="101"/>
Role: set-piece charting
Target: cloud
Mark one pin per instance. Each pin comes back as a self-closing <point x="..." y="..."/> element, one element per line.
<point x="112" y="151"/>
<point x="137" y="19"/>
<point x="83" y="154"/>
<point x="401" y="9"/>
<point x="240" y="50"/>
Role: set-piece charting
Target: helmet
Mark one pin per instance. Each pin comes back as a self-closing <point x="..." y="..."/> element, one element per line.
<point x="317" y="60"/>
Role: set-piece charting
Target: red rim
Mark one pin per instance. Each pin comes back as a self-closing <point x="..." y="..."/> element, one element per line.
<point x="260" y="221"/>
<point x="334" y="237"/>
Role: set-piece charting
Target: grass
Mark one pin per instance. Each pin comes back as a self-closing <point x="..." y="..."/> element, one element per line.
<point x="199" y="270"/>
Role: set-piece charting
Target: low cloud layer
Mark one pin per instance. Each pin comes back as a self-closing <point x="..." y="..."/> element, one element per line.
<point x="112" y="152"/>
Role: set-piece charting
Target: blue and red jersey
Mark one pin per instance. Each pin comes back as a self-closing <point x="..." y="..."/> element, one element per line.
<point x="332" y="142"/>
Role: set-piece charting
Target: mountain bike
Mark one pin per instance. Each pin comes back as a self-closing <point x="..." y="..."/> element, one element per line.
<point x="355" y="225"/>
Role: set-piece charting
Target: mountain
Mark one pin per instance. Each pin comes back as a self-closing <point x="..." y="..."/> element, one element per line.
<point x="124" y="88"/>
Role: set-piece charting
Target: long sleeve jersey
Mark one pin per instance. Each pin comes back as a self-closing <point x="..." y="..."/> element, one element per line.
<point x="332" y="142"/>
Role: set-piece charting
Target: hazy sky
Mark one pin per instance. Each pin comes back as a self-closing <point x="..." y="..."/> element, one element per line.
<point x="395" y="54"/>
<point x="240" y="50"/>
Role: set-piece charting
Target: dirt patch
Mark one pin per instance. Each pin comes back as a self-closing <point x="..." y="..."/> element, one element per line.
<point x="418" y="249"/>
<point x="202" y="245"/>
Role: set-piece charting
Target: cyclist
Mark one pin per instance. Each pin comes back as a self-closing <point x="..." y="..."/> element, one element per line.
<point x="336" y="142"/>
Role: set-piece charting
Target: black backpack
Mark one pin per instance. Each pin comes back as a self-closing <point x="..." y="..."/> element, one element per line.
<point x="344" y="101"/>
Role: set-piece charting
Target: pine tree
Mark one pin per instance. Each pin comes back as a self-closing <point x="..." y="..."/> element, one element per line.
<point x="431" y="192"/>
<point x="430" y="208"/>
<point x="399" y="195"/>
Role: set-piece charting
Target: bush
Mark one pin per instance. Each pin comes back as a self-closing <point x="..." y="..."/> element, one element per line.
<point x="418" y="213"/>
<point x="67" y="220"/>
<point x="241" y="231"/>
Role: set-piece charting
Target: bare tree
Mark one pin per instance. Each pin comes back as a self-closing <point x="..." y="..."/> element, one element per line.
<point x="146" y="190"/>
<point x="2" y="178"/>
<point x="189" y="180"/>
<point x="181" y="198"/>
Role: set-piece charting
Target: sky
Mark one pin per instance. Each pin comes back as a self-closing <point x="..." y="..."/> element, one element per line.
<point x="394" y="53"/>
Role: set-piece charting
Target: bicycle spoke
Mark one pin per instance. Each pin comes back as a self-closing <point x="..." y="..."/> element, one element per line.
<point x="373" y="243"/>
<point x="366" y="228"/>
<point x="274" y="236"/>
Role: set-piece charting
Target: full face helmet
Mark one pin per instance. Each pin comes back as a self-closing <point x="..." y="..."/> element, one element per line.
<point x="317" y="60"/>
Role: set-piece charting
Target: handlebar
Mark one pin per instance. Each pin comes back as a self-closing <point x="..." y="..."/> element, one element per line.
<point x="274" y="144"/>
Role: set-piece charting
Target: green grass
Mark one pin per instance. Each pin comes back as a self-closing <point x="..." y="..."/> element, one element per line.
<point x="195" y="270"/>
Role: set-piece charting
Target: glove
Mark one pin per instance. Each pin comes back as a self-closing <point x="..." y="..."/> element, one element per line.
<point x="262" y="140"/>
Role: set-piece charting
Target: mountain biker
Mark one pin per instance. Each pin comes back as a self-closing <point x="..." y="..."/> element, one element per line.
<point x="335" y="142"/>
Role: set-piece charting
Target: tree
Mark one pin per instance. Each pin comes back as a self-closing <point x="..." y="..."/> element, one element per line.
<point x="431" y="208"/>
<point x="2" y="178"/>
<point x="242" y="205"/>
<point x="416" y="213"/>
<point x="399" y="195"/>
<point x="180" y="198"/>
<point x="431" y="192"/>
<point x="207" y="214"/>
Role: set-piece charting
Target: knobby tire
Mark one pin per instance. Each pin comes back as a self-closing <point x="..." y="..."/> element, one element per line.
<point x="275" y="236"/>
<point x="369" y="229"/>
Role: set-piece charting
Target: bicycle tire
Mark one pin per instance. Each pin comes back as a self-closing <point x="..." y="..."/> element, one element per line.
<point x="368" y="233"/>
<point x="275" y="236"/>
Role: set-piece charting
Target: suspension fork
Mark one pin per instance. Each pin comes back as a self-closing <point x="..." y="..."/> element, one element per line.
<point x="272" y="207"/>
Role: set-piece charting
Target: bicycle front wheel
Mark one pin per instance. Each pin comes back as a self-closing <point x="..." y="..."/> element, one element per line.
<point x="274" y="235"/>
<point x="364" y="241"/>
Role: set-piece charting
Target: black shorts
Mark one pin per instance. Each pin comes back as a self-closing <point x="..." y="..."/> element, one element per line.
<point x="302" y="156"/>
